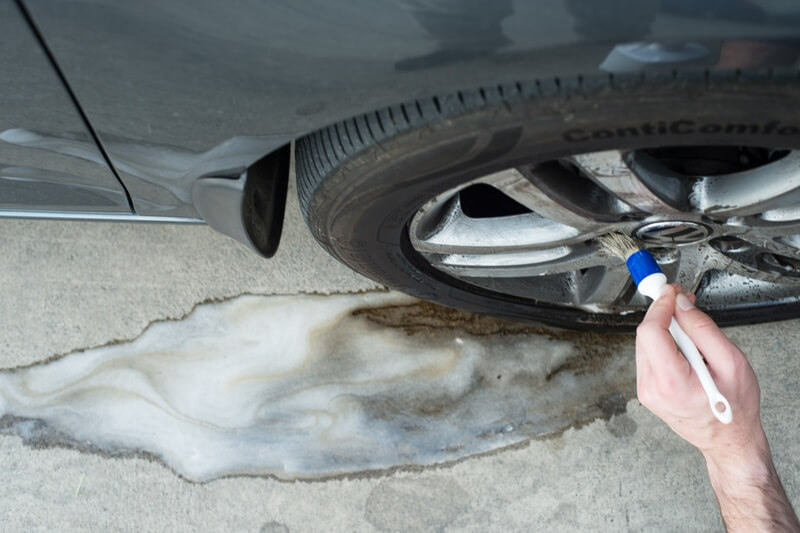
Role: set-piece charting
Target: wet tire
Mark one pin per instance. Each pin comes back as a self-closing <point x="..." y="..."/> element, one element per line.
<point x="361" y="181"/>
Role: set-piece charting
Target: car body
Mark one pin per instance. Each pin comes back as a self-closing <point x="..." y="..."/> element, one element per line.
<point x="177" y="111"/>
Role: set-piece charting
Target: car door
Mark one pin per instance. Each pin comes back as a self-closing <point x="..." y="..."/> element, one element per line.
<point x="50" y="163"/>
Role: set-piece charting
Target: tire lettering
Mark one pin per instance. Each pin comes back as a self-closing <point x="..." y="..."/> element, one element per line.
<point x="710" y="128"/>
<point x="741" y="128"/>
<point x="575" y="136"/>
<point x="627" y="132"/>
<point x="682" y="127"/>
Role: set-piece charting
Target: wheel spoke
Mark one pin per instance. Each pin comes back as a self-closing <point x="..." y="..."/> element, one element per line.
<point x="455" y="233"/>
<point x="525" y="264"/>
<point x="788" y="246"/>
<point x="769" y="187"/>
<point x="522" y="186"/>
<point x="688" y="265"/>
<point x="603" y="286"/>
<point x="777" y="237"/>
<point x="444" y="228"/>
<point x="610" y="170"/>
<point x="765" y="229"/>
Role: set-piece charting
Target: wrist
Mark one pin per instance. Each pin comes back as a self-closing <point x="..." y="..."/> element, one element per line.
<point x="732" y="477"/>
<point x="743" y="465"/>
<point x="749" y="492"/>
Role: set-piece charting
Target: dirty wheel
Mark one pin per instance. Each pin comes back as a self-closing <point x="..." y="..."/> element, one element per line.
<point x="492" y="200"/>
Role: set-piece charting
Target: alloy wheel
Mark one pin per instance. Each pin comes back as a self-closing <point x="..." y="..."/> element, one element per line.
<point x="723" y="221"/>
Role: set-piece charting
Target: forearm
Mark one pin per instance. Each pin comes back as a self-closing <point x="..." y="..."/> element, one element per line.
<point x="750" y="494"/>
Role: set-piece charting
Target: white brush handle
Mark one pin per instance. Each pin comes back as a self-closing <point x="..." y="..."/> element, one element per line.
<point x="652" y="286"/>
<point x="690" y="352"/>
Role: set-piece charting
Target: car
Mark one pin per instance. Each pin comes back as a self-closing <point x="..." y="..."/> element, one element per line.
<point x="465" y="152"/>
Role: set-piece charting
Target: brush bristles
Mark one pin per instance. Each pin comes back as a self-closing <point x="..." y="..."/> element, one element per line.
<point x="617" y="245"/>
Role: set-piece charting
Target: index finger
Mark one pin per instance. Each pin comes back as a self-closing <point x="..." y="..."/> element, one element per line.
<point x="654" y="344"/>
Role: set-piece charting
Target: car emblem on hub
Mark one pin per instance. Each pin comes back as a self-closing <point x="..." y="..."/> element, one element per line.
<point x="672" y="233"/>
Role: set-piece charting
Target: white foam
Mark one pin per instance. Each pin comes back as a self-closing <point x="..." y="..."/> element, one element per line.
<point x="302" y="387"/>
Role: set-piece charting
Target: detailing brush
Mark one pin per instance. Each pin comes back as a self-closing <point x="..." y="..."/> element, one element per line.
<point x="650" y="281"/>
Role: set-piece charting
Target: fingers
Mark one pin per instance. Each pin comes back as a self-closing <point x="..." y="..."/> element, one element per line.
<point x="655" y="349"/>
<point x="719" y="352"/>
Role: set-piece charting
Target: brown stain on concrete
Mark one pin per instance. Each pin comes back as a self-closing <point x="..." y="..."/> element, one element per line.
<point x="592" y="347"/>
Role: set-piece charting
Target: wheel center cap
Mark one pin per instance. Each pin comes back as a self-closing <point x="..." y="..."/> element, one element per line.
<point x="672" y="233"/>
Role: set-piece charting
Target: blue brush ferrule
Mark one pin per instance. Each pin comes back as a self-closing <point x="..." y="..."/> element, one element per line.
<point x="640" y="265"/>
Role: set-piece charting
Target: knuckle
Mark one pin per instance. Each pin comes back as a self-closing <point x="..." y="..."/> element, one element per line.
<point x="702" y="323"/>
<point x="646" y="329"/>
<point x="672" y="289"/>
<point x="666" y="387"/>
<point x="643" y="395"/>
<point x="738" y="362"/>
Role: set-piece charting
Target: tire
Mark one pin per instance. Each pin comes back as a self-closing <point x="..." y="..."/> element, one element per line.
<point x="361" y="181"/>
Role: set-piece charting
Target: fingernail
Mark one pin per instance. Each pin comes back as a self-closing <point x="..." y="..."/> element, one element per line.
<point x="683" y="302"/>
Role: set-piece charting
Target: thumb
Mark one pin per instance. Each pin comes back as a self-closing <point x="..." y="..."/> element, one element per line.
<point x="719" y="352"/>
<point x="662" y="310"/>
<point x="655" y="349"/>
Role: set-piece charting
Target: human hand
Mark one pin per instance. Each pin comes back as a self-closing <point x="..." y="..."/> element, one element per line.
<point x="668" y="387"/>
<point x="740" y="467"/>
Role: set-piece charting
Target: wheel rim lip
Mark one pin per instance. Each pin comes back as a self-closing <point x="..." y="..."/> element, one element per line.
<point x="506" y="255"/>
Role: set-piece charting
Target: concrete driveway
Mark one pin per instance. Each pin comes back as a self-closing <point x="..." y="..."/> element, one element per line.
<point x="70" y="286"/>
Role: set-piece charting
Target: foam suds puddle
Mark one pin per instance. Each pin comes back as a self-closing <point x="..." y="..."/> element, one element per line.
<point x="304" y="387"/>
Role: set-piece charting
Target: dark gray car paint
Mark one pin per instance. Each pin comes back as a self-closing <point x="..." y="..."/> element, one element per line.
<point x="48" y="159"/>
<point x="182" y="90"/>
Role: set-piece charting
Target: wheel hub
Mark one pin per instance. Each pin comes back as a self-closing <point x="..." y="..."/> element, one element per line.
<point x="672" y="233"/>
